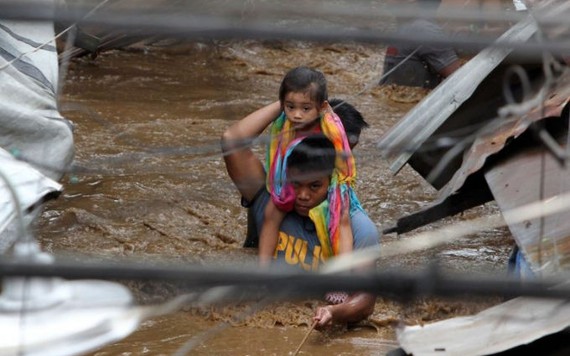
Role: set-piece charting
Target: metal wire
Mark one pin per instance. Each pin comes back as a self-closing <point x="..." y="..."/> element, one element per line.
<point x="430" y="282"/>
<point x="191" y="23"/>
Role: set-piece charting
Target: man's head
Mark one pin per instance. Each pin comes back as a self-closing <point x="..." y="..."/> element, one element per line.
<point x="309" y="168"/>
<point x="352" y="120"/>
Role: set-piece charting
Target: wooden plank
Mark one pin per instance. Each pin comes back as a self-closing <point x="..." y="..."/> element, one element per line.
<point x="518" y="181"/>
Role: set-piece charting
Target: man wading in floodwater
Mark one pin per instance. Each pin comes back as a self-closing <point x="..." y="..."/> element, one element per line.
<point x="310" y="165"/>
<point x="424" y="65"/>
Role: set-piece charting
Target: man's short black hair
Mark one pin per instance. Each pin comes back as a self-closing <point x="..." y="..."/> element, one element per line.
<point x="314" y="154"/>
<point x="352" y="119"/>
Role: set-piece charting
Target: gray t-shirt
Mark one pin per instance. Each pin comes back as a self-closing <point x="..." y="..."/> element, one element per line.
<point x="298" y="243"/>
<point x="421" y="69"/>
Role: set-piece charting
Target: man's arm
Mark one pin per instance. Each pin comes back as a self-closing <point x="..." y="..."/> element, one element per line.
<point x="441" y="58"/>
<point x="269" y="236"/>
<point x="356" y="308"/>
<point x="449" y="69"/>
<point x="359" y="305"/>
<point x="243" y="166"/>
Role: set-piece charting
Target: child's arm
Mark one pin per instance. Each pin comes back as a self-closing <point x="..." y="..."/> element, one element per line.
<point x="346" y="238"/>
<point x="243" y="166"/>
<point x="269" y="236"/>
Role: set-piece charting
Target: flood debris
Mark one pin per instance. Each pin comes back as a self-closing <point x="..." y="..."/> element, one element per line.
<point x="501" y="135"/>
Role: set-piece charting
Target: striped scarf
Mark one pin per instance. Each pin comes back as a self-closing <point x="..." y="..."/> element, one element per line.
<point x="326" y="216"/>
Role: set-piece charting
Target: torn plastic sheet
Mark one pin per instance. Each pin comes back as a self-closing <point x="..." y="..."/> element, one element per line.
<point x="30" y="187"/>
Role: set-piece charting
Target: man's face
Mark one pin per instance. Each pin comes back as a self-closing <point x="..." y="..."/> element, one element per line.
<point x="301" y="110"/>
<point x="311" y="189"/>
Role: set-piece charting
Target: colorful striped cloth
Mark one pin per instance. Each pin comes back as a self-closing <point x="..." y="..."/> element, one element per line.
<point x="341" y="195"/>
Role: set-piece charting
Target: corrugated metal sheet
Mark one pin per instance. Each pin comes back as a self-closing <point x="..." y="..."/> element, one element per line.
<point x="467" y="186"/>
<point x="447" y="133"/>
<point x="491" y="143"/>
<point x="408" y="135"/>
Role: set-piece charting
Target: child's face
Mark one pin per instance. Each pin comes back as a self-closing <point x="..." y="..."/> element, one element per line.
<point x="301" y="110"/>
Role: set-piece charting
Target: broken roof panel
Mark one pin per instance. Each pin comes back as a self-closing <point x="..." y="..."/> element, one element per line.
<point x="408" y="135"/>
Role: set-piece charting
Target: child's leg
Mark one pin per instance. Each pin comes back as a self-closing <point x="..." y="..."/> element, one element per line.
<point x="346" y="238"/>
<point x="269" y="236"/>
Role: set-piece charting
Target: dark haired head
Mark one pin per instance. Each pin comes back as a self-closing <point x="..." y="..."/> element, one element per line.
<point x="313" y="155"/>
<point x="352" y="120"/>
<point x="304" y="79"/>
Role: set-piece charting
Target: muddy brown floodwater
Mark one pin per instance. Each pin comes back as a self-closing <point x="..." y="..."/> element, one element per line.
<point x="150" y="185"/>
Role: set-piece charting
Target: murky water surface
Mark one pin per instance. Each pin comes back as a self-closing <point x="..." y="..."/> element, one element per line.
<point x="150" y="184"/>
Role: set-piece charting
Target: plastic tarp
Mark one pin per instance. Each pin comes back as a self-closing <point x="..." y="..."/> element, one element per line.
<point x="31" y="126"/>
<point x="30" y="187"/>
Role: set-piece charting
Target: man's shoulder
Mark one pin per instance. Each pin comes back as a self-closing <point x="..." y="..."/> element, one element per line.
<point x="360" y="216"/>
<point x="364" y="230"/>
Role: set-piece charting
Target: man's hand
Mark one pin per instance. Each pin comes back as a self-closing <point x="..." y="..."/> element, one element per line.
<point x="357" y="307"/>
<point x="323" y="316"/>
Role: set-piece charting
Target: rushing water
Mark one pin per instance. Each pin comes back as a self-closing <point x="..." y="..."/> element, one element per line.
<point x="149" y="184"/>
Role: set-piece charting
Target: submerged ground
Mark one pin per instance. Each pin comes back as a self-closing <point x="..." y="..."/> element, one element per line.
<point x="150" y="185"/>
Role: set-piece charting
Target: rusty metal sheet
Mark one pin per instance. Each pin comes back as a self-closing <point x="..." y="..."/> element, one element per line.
<point x="487" y="145"/>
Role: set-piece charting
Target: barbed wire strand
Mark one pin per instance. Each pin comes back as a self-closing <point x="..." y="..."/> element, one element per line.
<point x="216" y="26"/>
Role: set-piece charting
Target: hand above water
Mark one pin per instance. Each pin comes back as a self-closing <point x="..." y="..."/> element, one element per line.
<point x="323" y="316"/>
